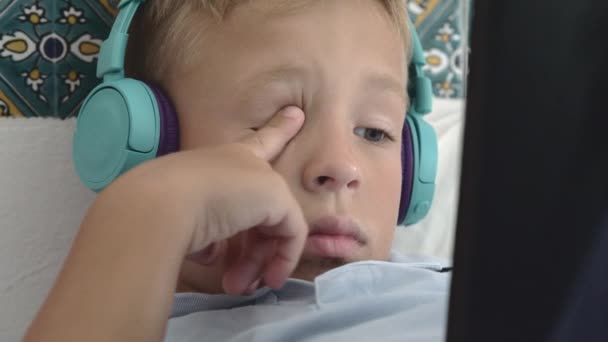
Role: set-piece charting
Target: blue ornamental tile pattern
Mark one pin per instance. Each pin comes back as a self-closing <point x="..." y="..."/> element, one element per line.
<point x="48" y="54"/>
<point x="439" y="25"/>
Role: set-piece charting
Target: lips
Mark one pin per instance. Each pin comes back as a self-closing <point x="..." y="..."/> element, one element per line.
<point x="334" y="237"/>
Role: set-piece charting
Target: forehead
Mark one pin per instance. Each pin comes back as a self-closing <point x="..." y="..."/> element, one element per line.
<point x="273" y="8"/>
<point x="331" y="56"/>
<point x="295" y="30"/>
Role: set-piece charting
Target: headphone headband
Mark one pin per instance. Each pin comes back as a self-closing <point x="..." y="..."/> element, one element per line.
<point x="112" y="55"/>
<point x="424" y="140"/>
<point x="420" y="89"/>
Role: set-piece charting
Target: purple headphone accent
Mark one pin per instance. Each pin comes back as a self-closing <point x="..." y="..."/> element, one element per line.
<point x="169" y="129"/>
<point x="407" y="169"/>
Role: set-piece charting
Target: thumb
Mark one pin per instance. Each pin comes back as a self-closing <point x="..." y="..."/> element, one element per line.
<point x="271" y="139"/>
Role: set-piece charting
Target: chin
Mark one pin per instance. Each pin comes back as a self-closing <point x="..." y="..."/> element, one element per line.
<point x="309" y="268"/>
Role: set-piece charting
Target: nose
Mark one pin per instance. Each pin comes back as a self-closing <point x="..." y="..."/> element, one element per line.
<point x="331" y="168"/>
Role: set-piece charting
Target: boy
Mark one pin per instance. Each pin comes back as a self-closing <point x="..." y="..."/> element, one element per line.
<point x="290" y="118"/>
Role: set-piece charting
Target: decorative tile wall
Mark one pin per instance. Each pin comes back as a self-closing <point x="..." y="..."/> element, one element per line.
<point x="48" y="53"/>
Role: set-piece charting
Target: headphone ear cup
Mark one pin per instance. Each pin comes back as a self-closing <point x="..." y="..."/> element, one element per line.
<point x="407" y="170"/>
<point x="169" y="125"/>
<point x="424" y="169"/>
<point x="118" y="127"/>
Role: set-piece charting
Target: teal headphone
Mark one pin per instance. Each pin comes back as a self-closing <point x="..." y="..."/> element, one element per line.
<point x="124" y="122"/>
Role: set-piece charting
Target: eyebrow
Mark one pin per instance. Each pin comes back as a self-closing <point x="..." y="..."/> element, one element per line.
<point x="385" y="82"/>
<point x="373" y="80"/>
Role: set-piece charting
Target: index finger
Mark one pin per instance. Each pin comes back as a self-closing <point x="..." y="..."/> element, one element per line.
<point x="271" y="139"/>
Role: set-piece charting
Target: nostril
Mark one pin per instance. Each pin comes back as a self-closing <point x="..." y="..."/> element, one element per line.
<point x="353" y="184"/>
<point x="322" y="179"/>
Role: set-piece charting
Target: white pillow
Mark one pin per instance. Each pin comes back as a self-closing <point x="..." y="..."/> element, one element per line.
<point x="41" y="206"/>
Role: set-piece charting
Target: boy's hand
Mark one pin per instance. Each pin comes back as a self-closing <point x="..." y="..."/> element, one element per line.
<point x="231" y="192"/>
<point x="118" y="280"/>
<point x="247" y="198"/>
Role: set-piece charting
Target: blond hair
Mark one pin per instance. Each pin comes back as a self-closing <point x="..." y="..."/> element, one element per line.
<point x="166" y="31"/>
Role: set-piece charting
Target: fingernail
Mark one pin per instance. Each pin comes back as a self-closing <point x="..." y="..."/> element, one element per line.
<point x="252" y="288"/>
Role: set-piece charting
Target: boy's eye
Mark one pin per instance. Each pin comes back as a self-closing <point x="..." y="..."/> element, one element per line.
<point x="375" y="135"/>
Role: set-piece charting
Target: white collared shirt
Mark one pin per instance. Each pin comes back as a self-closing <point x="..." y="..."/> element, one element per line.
<point x="405" y="299"/>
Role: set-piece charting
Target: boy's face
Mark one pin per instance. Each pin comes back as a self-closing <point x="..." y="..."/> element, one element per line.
<point x="342" y="62"/>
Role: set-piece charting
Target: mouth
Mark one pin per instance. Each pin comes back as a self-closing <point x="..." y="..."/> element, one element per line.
<point x="334" y="237"/>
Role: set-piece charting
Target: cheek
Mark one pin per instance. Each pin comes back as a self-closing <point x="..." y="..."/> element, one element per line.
<point x="382" y="206"/>
<point x="385" y="183"/>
